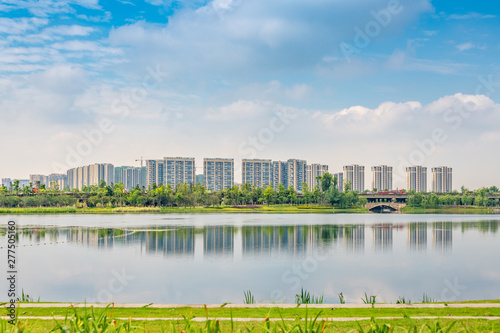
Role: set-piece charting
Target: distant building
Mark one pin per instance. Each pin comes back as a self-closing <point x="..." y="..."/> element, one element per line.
<point x="57" y="180"/>
<point x="7" y="182"/>
<point x="280" y="174"/>
<point x="200" y="180"/>
<point x="257" y="172"/>
<point x="170" y="171"/>
<point x="23" y="183"/>
<point x="131" y="177"/>
<point x="442" y="179"/>
<point x="38" y="180"/>
<point x="313" y="171"/>
<point x="90" y="175"/>
<point x="382" y="177"/>
<point x="218" y="173"/>
<point x="355" y="175"/>
<point x="416" y="179"/>
<point x="296" y="173"/>
<point x="118" y="173"/>
<point x="340" y="180"/>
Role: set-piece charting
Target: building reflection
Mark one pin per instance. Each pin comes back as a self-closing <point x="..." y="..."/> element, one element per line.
<point x="353" y="238"/>
<point x="175" y="242"/>
<point x="287" y="240"/>
<point x="416" y="236"/>
<point x="382" y="237"/>
<point x="442" y="236"/>
<point x="218" y="240"/>
<point x="291" y="240"/>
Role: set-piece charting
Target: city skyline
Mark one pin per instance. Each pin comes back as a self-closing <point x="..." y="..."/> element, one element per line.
<point x="219" y="174"/>
<point x="92" y="81"/>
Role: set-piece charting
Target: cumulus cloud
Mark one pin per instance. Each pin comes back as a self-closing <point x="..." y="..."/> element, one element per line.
<point x="254" y="37"/>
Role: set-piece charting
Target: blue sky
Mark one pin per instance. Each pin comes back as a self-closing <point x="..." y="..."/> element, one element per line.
<point x="227" y="71"/>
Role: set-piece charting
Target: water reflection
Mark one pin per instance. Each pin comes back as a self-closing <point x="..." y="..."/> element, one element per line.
<point x="382" y="237"/>
<point x="218" y="240"/>
<point x="442" y="236"/>
<point x="292" y="240"/>
<point x="416" y="236"/>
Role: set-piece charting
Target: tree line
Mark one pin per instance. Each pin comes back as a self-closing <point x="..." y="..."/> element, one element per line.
<point x="324" y="193"/>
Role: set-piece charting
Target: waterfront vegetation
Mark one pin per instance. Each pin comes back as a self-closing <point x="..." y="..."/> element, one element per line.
<point x="161" y="198"/>
<point x="274" y="319"/>
<point x="324" y="197"/>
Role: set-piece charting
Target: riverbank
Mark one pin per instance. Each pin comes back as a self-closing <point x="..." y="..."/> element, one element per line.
<point x="274" y="209"/>
<point x="482" y="316"/>
<point x="451" y="210"/>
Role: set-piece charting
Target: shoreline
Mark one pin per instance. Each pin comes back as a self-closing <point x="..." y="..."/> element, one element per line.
<point x="467" y="210"/>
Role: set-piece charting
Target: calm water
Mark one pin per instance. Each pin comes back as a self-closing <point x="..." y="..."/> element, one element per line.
<point x="214" y="258"/>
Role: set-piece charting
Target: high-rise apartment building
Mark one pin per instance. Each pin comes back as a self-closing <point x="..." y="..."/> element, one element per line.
<point x="90" y="175"/>
<point x="355" y="175"/>
<point x="180" y="170"/>
<point x="257" y="172"/>
<point x="296" y="173"/>
<point x="382" y="177"/>
<point x="416" y="179"/>
<point x="170" y="171"/>
<point x="7" y="182"/>
<point x="313" y="171"/>
<point x="57" y="180"/>
<point x="442" y="179"/>
<point x="118" y="173"/>
<point x="38" y="180"/>
<point x="218" y="173"/>
<point x="340" y="180"/>
<point x="280" y="174"/>
<point x="131" y="177"/>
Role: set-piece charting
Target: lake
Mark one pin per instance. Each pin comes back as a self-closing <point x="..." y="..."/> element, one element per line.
<point x="214" y="258"/>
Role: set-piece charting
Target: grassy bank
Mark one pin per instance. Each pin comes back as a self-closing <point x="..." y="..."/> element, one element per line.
<point x="276" y="209"/>
<point x="451" y="210"/>
<point x="280" y="320"/>
<point x="272" y="209"/>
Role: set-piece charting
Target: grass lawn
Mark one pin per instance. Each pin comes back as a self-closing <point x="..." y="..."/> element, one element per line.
<point x="106" y="316"/>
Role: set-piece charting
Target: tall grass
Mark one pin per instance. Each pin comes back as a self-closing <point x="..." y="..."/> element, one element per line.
<point x="341" y="298"/>
<point x="403" y="300"/>
<point x="92" y="322"/>
<point x="427" y="299"/>
<point x="306" y="298"/>
<point x="25" y="298"/>
<point x="249" y="299"/>
<point x="369" y="299"/>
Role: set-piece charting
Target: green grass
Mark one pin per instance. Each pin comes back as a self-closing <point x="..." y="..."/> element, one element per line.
<point x="273" y="209"/>
<point x="275" y="312"/>
<point x="449" y="210"/>
<point x="305" y="320"/>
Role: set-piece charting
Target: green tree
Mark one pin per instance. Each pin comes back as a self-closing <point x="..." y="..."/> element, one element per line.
<point x="268" y="194"/>
<point x="326" y="181"/>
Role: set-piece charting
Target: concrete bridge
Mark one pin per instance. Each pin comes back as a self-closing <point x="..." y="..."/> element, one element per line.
<point x="385" y="207"/>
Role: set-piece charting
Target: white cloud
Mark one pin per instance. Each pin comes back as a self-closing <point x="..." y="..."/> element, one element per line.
<point x="240" y="109"/>
<point x="20" y="25"/>
<point x="471" y="15"/>
<point x="466" y="46"/>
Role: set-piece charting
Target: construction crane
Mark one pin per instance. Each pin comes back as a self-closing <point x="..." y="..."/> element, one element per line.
<point x="141" y="160"/>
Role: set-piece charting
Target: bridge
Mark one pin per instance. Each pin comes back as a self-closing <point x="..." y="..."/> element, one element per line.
<point x="393" y="202"/>
<point x="385" y="202"/>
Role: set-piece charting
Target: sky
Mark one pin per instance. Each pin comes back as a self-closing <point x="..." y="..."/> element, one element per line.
<point x="338" y="82"/>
